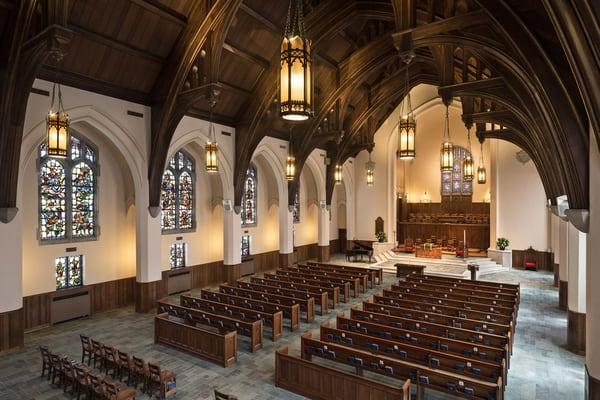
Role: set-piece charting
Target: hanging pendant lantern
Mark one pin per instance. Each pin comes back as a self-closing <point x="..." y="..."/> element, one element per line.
<point x="468" y="167"/>
<point x="337" y="176"/>
<point x="370" y="166"/>
<point x="296" y="75"/>
<point x="447" y="151"/>
<point x="211" y="149"/>
<point x="481" y="172"/>
<point x="407" y="127"/>
<point x="57" y="127"/>
<point x="290" y="164"/>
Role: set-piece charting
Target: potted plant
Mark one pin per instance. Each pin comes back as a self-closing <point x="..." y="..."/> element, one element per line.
<point x="502" y="243"/>
<point x="381" y="236"/>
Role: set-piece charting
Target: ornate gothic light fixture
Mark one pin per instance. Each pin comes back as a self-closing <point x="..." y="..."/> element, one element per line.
<point x="211" y="149"/>
<point x="407" y="127"/>
<point x="290" y="165"/>
<point x="468" y="167"/>
<point x="447" y="151"/>
<point x="296" y="75"/>
<point x="370" y="166"/>
<point x="481" y="173"/>
<point x="57" y="123"/>
<point x="337" y="176"/>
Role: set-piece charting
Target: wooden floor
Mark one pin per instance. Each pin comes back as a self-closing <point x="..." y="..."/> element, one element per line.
<point x="541" y="368"/>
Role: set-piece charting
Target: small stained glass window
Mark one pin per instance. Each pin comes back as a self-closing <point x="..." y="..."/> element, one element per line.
<point x="245" y="248"/>
<point x="249" y="200"/>
<point x="177" y="255"/>
<point x="68" y="271"/>
<point x="177" y="194"/>
<point x="296" y="208"/>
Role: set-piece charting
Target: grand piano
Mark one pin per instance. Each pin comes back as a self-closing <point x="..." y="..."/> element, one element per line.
<point x="359" y="249"/>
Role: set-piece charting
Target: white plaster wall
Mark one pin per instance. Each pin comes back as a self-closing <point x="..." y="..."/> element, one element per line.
<point x="305" y="231"/>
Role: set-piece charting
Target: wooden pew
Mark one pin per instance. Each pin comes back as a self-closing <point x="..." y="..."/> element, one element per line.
<point x="297" y="375"/>
<point x="290" y="312"/>
<point x="446" y="310"/>
<point x="363" y="278"/>
<point x="447" y="294"/>
<point x="345" y="284"/>
<point x="471" y="292"/>
<point x="375" y="274"/>
<point x="276" y="287"/>
<point x="306" y="303"/>
<point x="413" y="352"/>
<point x="494" y="285"/>
<point x="448" y="302"/>
<point x="425" y="377"/>
<point x="434" y="328"/>
<point x="430" y="339"/>
<point x="253" y="330"/>
<point x="272" y="320"/>
<point x="203" y="341"/>
<point x="310" y="286"/>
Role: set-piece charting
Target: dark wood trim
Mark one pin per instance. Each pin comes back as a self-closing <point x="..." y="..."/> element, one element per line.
<point x="323" y="254"/>
<point x="286" y="260"/>
<point x="576" y="332"/>
<point x="306" y="252"/>
<point x="592" y="386"/>
<point x="231" y="273"/>
<point x="563" y="290"/>
<point x="544" y="259"/>
<point x="556" y="273"/>
<point x="266" y="261"/>
<point x="11" y="330"/>
<point x="147" y="294"/>
<point x="334" y="246"/>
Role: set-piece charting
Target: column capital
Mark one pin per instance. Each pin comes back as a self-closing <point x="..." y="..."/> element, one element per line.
<point x="580" y="218"/>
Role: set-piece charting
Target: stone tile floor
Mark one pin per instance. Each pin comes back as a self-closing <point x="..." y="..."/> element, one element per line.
<point x="541" y="367"/>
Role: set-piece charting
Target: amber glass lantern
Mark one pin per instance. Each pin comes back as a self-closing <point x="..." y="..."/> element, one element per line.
<point x="211" y="149"/>
<point x="295" y="75"/>
<point x="481" y="173"/>
<point x="290" y="168"/>
<point x="407" y="127"/>
<point x="57" y="127"/>
<point x="447" y="150"/>
<point x="468" y="167"/>
<point x="337" y="176"/>
<point x="370" y="167"/>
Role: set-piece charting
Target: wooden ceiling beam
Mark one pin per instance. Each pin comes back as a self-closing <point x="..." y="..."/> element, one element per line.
<point x="253" y="58"/>
<point x="263" y="20"/>
<point x="405" y="14"/>
<point x="163" y="11"/>
<point x="234" y="89"/>
<point x="470" y="86"/>
<point x="329" y="61"/>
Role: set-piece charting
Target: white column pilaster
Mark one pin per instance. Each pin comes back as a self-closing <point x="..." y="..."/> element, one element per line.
<point x="232" y="237"/>
<point x="286" y="228"/>
<point x="577" y="269"/>
<point x="148" y="244"/>
<point x="323" y="225"/>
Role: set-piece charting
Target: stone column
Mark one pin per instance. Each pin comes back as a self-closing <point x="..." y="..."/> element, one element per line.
<point x="323" y="254"/>
<point x="563" y="262"/>
<point x="555" y="234"/>
<point x="286" y="234"/>
<point x="577" y="290"/>
<point x="149" y="286"/>
<point x="11" y="282"/>
<point x="592" y="324"/>
<point x="232" y="239"/>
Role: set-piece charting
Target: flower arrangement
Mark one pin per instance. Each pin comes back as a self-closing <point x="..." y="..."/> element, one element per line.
<point x="381" y="236"/>
<point x="502" y="243"/>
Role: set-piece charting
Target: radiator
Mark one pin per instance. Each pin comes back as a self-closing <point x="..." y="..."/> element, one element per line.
<point x="179" y="282"/>
<point x="247" y="267"/>
<point x="70" y="306"/>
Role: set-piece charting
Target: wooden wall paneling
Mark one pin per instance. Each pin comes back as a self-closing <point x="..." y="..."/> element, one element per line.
<point x="544" y="259"/>
<point x="266" y="261"/>
<point x="207" y="274"/>
<point x="478" y="235"/>
<point x="306" y="252"/>
<point x="11" y="330"/>
<point x="36" y="310"/>
<point x="334" y="246"/>
<point x="112" y="294"/>
<point x="147" y="293"/>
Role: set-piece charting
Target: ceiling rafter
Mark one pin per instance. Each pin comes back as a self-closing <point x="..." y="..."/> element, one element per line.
<point x="253" y="58"/>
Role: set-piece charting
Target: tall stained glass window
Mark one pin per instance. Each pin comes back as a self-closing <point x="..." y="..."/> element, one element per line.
<point x="68" y="271"/>
<point x="296" y="208"/>
<point x="249" y="201"/>
<point x="452" y="181"/>
<point x="177" y="255"/>
<point x="177" y="194"/>
<point x="67" y="193"/>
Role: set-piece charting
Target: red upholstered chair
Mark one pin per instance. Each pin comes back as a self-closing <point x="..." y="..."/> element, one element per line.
<point x="409" y="246"/>
<point x="530" y="259"/>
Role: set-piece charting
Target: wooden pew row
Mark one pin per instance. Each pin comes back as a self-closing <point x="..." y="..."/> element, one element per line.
<point x="472" y="292"/>
<point x="446" y="310"/>
<point x="275" y="287"/>
<point x="448" y="302"/>
<point x="289" y="312"/>
<point x="471" y="324"/>
<point x="353" y="285"/>
<point x="320" y="284"/>
<point x="429" y="340"/>
<point x="426" y="378"/>
<point x="375" y="274"/>
<point x="412" y="351"/>
<point x="203" y="341"/>
<point x="452" y="295"/>
<point x="363" y="279"/>
<point x="253" y="330"/>
<point x="494" y="285"/>
<point x="272" y="320"/>
<point x="298" y="375"/>
<point x="306" y="303"/>
<point x="434" y="328"/>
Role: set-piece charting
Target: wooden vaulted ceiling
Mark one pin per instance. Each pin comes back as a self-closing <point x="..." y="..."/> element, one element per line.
<point x="516" y="63"/>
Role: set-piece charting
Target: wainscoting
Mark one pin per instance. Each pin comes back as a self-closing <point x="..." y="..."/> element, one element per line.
<point x="306" y="252"/>
<point x="11" y="330"/>
<point x="544" y="259"/>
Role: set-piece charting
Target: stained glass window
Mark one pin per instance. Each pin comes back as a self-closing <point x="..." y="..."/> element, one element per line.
<point x="249" y="200"/>
<point x="177" y="194"/>
<point x="68" y="271"/>
<point x="296" y="208"/>
<point x="452" y="181"/>
<point x="67" y="193"/>
<point x="177" y="255"/>
<point x="245" y="248"/>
